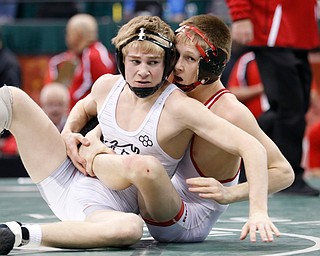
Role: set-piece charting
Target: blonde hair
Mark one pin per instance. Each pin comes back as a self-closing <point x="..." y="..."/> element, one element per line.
<point x="150" y="23"/>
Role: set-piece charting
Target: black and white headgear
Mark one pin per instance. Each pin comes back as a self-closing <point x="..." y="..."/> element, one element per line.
<point x="170" y="58"/>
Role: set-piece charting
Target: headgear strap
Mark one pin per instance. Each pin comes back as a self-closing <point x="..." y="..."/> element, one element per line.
<point x="201" y="34"/>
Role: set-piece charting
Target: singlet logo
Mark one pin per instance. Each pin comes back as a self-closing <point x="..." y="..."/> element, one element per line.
<point x="125" y="149"/>
<point x="145" y="140"/>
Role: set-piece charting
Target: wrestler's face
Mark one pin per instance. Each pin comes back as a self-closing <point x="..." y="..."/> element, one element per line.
<point x="143" y="69"/>
<point x="186" y="69"/>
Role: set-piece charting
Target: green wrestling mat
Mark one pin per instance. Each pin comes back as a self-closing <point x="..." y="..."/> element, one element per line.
<point x="298" y="219"/>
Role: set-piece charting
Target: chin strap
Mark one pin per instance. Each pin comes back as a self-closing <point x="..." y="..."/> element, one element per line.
<point x="187" y="88"/>
<point x="146" y="91"/>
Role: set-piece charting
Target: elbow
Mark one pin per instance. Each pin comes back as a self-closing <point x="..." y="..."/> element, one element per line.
<point x="287" y="175"/>
<point x="290" y="176"/>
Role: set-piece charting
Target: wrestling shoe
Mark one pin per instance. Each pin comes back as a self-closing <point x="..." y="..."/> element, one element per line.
<point x="10" y="236"/>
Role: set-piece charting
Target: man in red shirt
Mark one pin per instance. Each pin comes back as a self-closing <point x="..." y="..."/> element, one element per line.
<point x="281" y="34"/>
<point x="85" y="61"/>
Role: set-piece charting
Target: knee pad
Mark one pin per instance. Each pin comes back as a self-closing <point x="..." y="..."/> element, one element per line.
<point x="5" y="108"/>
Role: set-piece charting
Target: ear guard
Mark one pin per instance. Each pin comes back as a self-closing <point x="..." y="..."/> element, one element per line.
<point x="211" y="66"/>
<point x="143" y="34"/>
<point x="212" y="61"/>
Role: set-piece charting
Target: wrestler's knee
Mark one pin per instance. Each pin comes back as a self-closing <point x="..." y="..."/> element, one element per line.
<point x="146" y="167"/>
<point x="5" y="108"/>
<point x="12" y="101"/>
<point x="127" y="233"/>
<point x="133" y="230"/>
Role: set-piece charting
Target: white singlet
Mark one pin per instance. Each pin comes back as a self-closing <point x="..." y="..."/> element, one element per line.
<point x="72" y="196"/>
<point x="197" y="215"/>
<point x="142" y="141"/>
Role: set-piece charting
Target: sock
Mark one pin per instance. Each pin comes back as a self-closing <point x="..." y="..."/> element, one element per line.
<point x="31" y="235"/>
<point x="5" y="108"/>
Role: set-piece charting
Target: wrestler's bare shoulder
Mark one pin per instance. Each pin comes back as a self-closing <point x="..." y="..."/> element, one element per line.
<point x="231" y="109"/>
<point x="106" y="80"/>
<point x="104" y="83"/>
<point x="178" y="102"/>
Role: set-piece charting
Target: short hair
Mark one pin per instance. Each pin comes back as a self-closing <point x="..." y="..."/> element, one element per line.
<point x="150" y="23"/>
<point x="214" y="29"/>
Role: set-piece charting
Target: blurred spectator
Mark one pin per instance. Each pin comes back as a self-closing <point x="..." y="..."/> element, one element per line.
<point x="8" y="11"/>
<point x="281" y="43"/>
<point x="55" y="102"/>
<point x="245" y="83"/>
<point x="8" y="146"/>
<point x="312" y="136"/>
<point x="61" y="68"/>
<point x="10" y="70"/>
<point x="313" y="151"/>
<point x="10" y="74"/>
<point x="85" y="60"/>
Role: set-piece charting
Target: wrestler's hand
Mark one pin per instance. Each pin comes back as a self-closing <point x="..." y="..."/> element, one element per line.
<point x="72" y="140"/>
<point x="259" y="222"/>
<point x="89" y="152"/>
<point x="209" y="188"/>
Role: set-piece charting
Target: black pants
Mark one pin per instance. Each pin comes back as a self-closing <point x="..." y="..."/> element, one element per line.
<point x="286" y="76"/>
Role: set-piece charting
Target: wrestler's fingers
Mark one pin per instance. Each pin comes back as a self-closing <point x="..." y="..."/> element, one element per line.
<point x="275" y="230"/>
<point x="253" y="233"/>
<point x="264" y="235"/>
<point x="89" y="167"/>
<point x="200" y="181"/>
<point x="244" y="232"/>
<point x="80" y="167"/>
<point x="90" y="172"/>
<point x="268" y="234"/>
<point x="83" y="140"/>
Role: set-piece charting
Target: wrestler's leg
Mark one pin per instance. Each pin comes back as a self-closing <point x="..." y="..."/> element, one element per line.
<point x="100" y="229"/>
<point x="39" y="142"/>
<point x="158" y="198"/>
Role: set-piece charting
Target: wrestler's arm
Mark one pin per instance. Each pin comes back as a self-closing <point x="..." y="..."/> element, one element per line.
<point x="77" y="119"/>
<point x="280" y="172"/>
<point x="234" y="140"/>
<point x="83" y="111"/>
<point x="95" y="147"/>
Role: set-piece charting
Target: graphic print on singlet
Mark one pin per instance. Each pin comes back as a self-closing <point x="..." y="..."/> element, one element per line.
<point x="125" y="149"/>
<point x="128" y="149"/>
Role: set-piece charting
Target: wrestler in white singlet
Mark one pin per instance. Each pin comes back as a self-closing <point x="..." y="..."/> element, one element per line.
<point x="198" y="215"/>
<point x="72" y="196"/>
